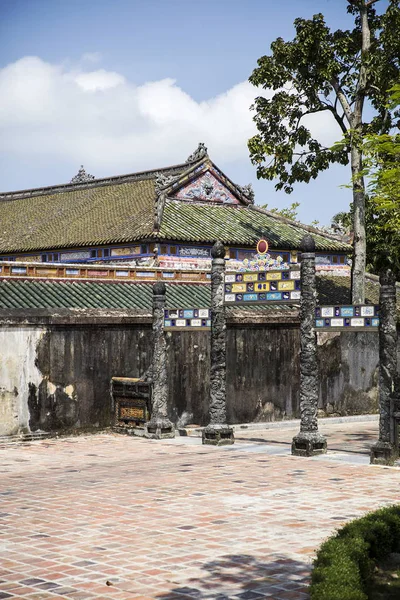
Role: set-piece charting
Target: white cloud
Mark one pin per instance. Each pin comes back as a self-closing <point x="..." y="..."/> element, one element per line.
<point x="98" y="80"/>
<point x="98" y="118"/>
<point x="91" y="57"/>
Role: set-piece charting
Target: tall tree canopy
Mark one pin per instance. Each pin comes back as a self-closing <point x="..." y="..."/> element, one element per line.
<point x="336" y="72"/>
<point x="382" y="168"/>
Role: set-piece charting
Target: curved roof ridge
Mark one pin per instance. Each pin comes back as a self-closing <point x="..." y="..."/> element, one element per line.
<point x="115" y="179"/>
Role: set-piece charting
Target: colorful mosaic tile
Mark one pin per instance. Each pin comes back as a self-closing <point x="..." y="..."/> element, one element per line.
<point x="187" y="318"/>
<point x="344" y="317"/>
<point x="263" y="287"/>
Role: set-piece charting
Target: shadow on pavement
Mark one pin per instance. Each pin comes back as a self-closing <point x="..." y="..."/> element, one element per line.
<point x="353" y="443"/>
<point x="243" y="576"/>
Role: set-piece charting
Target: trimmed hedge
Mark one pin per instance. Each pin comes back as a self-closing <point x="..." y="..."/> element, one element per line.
<point x="345" y="563"/>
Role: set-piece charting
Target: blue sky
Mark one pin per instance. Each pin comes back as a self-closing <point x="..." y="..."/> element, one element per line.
<point x="125" y="85"/>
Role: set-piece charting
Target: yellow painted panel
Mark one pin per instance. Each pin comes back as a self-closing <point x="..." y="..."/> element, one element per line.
<point x="250" y="277"/>
<point x="274" y="276"/>
<point x="238" y="287"/>
<point x="37" y="258"/>
<point x="285" y="285"/>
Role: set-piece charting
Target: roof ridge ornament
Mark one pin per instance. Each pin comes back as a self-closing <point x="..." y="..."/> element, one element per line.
<point x="82" y="176"/>
<point x="198" y="154"/>
<point x="247" y="190"/>
<point x="163" y="181"/>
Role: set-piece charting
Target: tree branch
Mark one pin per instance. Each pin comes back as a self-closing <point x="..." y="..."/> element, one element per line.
<point x="343" y="100"/>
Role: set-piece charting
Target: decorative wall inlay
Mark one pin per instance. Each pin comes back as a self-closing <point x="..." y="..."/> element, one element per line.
<point x="66" y="256"/>
<point x="262" y="288"/>
<point x="264" y="262"/>
<point x="207" y="188"/>
<point x="195" y="252"/>
<point x="347" y="317"/>
<point x="187" y="318"/>
<point x="97" y="273"/>
<point x="128" y="251"/>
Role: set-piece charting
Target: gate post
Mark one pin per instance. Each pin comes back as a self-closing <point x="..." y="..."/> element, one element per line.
<point x="308" y="442"/>
<point x="159" y="426"/>
<point x="218" y="433"/>
<point x="385" y="451"/>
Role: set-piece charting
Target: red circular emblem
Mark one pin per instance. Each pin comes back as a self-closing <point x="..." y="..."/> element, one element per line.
<point x="262" y="247"/>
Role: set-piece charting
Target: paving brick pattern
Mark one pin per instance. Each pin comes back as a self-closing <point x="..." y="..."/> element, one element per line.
<point x="113" y="517"/>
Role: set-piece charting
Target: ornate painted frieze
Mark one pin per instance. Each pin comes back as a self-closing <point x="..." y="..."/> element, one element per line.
<point x="207" y="188"/>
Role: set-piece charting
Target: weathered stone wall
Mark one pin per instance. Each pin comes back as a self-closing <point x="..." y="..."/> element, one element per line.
<point x="55" y="376"/>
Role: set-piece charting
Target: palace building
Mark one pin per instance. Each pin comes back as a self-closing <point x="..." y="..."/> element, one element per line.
<point x="167" y="218"/>
<point x="77" y="266"/>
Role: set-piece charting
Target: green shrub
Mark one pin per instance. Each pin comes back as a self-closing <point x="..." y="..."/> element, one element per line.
<point x="345" y="562"/>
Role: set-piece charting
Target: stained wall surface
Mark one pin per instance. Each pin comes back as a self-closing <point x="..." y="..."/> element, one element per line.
<point x="56" y="377"/>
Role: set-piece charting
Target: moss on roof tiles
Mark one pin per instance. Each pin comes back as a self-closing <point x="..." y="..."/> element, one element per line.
<point x="78" y="217"/>
<point x="236" y="225"/>
<point x="121" y="210"/>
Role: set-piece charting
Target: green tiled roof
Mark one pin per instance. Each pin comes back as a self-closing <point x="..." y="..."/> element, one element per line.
<point x="33" y="293"/>
<point x="236" y="225"/>
<point x="78" y="217"/>
<point x="121" y="210"/>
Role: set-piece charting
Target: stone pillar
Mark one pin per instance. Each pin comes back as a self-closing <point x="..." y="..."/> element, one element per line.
<point x="159" y="426"/>
<point x="385" y="451"/>
<point x="218" y="433"/>
<point x="308" y="442"/>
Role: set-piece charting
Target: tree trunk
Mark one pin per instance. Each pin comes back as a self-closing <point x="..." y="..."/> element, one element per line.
<point x="359" y="259"/>
<point x="359" y="262"/>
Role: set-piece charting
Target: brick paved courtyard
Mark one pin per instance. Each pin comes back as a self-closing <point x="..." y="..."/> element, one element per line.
<point x="174" y="519"/>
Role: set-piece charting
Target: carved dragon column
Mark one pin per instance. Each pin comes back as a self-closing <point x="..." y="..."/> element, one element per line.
<point x="385" y="451"/>
<point x="218" y="433"/>
<point x="159" y="426"/>
<point x="308" y="442"/>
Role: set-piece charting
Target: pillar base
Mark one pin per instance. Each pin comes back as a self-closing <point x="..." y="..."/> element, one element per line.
<point x="309" y="443"/>
<point x="159" y="429"/>
<point x="219" y="434"/>
<point x="383" y="453"/>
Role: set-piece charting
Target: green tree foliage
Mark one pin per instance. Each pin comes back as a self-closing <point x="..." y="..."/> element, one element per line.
<point x="381" y="166"/>
<point x="335" y="72"/>
<point x="383" y="243"/>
